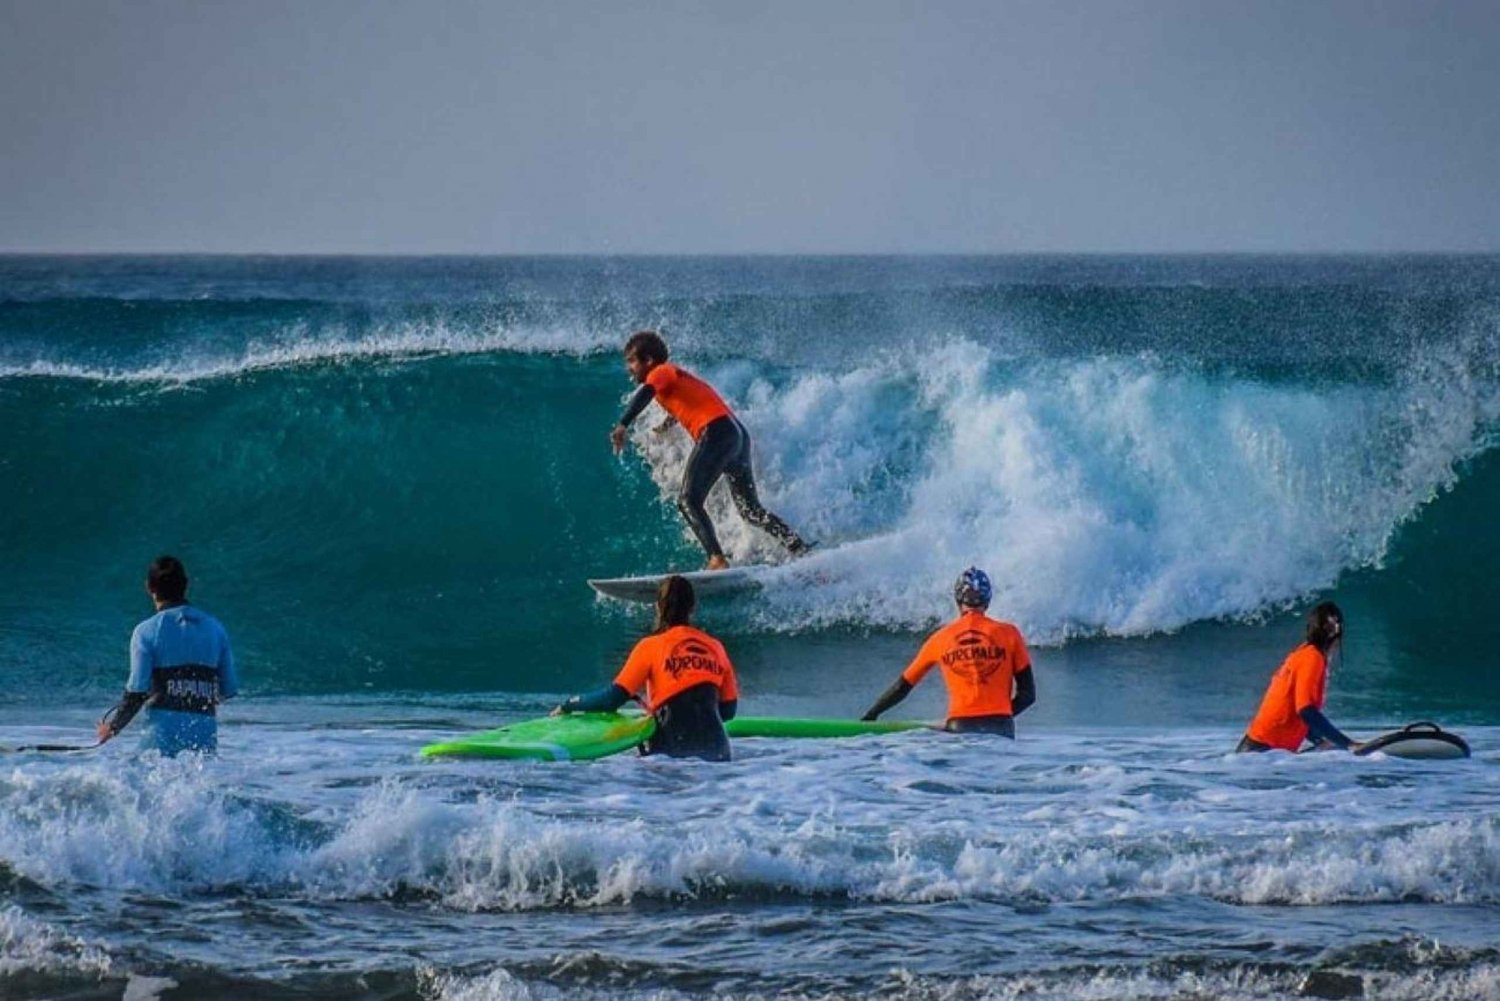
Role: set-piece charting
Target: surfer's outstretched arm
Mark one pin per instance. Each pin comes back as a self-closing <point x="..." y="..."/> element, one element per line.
<point x="638" y="402"/>
<point x="1320" y="729"/>
<point x="642" y="398"/>
<point x="892" y="695"/>
<point x="120" y="714"/>
<point x="605" y="700"/>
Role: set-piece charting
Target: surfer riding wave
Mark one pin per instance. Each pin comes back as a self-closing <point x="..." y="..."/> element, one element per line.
<point x="721" y="444"/>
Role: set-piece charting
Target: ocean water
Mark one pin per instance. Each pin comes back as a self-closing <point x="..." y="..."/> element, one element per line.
<point x="390" y="477"/>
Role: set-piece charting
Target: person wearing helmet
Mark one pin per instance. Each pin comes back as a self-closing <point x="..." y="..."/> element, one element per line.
<point x="1292" y="709"/>
<point x="984" y="661"/>
<point x="721" y="445"/>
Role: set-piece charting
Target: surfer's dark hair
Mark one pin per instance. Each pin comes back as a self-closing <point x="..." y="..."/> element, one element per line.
<point x="167" y="579"/>
<point x="1325" y="626"/>
<point x="647" y="344"/>
<point x="675" y="602"/>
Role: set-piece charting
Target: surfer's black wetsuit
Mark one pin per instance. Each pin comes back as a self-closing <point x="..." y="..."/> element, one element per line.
<point x="688" y="725"/>
<point x="723" y="449"/>
<point x="1004" y="726"/>
<point x="1319" y="728"/>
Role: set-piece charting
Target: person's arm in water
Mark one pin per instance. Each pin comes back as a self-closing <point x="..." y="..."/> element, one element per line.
<point x="924" y="661"/>
<point x="729" y="689"/>
<point x="1025" y="696"/>
<point x="1321" y="731"/>
<point x="899" y="690"/>
<point x="119" y="715"/>
<point x="1308" y="692"/>
<point x="137" y="688"/>
<point x="229" y="678"/>
<point x="631" y="679"/>
<point x="638" y="402"/>
<point x="604" y="700"/>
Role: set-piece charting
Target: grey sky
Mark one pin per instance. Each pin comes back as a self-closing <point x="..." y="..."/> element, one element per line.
<point x="561" y="126"/>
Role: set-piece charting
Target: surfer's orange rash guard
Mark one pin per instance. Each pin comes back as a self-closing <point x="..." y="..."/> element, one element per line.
<point x="980" y="658"/>
<point x="686" y="397"/>
<point x="671" y="662"/>
<point x="1298" y="684"/>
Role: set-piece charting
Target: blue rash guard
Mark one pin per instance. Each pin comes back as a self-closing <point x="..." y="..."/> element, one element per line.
<point x="180" y="658"/>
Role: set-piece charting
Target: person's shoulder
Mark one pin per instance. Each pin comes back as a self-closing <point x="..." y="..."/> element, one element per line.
<point x="663" y="374"/>
<point x="206" y="616"/>
<point x="946" y="633"/>
<point x="647" y="641"/>
<point x="1307" y="655"/>
<point x="213" y="623"/>
<point x="1008" y="629"/>
<point x="689" y="632"/>
<point x="692" y="632"/>
<point x="710" y="638"/>
<point x="147" y="627"/>
<point x="194" y="615"/>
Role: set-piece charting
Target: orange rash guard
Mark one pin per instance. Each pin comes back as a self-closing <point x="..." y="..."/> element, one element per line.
<point x="670" y="662"/>
<point x="980" y="658"/>
<point x="686" y="397"/>
<point x="1297" y="684"/>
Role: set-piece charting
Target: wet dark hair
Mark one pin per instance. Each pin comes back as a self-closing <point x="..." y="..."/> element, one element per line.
<point x="167" y="578"/>
<point x="1325" y="626"/>
<point x="675" y="602"/>
<point x="647" y="344"/>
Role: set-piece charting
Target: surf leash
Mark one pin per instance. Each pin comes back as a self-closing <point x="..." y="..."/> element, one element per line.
<point x="51" y="747"/>
<point x="112" y="716"/>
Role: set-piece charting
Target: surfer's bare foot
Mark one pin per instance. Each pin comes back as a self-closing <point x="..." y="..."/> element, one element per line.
<point x="717" y="563"/>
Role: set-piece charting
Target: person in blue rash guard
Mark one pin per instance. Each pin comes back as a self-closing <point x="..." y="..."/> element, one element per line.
<point x="181" y="668"/>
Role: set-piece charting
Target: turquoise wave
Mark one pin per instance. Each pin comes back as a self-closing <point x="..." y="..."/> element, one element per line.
<point x="403" y="485"/>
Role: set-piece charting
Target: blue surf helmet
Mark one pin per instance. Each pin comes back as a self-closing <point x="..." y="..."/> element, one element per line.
<point x="972" y="589"/>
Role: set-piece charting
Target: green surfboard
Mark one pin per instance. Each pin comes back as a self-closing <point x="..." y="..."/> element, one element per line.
<point x="575" y="737"/>
<point x="775" y="726"/>
<point x="583" y="736"/>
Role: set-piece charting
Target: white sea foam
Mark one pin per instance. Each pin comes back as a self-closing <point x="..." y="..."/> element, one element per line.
<point x="1115" y="983"/>
<point x="298" y="347"/>
<point x="1116" y="837"/>
<point x="30" y="945"/>
<point x="892" y="820"/>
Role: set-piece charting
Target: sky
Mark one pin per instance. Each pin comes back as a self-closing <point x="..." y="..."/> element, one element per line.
<point x="870" y="126"/>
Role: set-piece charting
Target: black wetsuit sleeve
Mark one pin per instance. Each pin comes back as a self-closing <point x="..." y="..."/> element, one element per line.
<point x="1025" y="696"/>
<point x="892" y="695"/>
<point x="119" y="715"/>
<point x="638" y="402"/>
<point x="605" y="700"/>
<point x="728" y="709"/>
<point x="1319" y="728"/>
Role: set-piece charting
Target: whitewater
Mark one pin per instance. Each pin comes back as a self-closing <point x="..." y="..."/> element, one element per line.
<point x="390" y="477"/>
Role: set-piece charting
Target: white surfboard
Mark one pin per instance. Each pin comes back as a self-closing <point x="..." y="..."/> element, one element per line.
<point x="706" y="583"/>
<point x="1418" y="740"/>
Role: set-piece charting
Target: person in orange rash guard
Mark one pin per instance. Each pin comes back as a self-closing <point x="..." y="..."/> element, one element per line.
<point x="687" y="677"/>
<point x="721" y="445"/>
<point x="985" y="666"/>
<point x="1292" y="709"/>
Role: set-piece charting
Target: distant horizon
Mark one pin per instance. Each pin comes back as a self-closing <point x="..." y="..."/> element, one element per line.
<point x="688" y="255"/>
